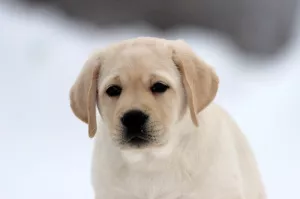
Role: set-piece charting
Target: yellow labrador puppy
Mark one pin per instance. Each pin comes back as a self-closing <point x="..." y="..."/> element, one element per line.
<point x="148" y="102"/>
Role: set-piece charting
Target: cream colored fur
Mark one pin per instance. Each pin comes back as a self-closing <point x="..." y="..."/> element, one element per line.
<point x="198" y="152"/>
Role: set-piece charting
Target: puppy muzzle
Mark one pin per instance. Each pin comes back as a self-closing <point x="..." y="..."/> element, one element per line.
<point x="134" y="129"/>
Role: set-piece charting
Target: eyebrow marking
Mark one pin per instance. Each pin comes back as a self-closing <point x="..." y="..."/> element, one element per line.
<point x="167" y="76"/>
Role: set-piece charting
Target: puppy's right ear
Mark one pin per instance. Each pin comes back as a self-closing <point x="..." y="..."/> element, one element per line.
<point x="83" y="94"/>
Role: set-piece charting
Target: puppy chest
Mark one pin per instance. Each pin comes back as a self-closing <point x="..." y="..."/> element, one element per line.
<point x="151" y="187"/>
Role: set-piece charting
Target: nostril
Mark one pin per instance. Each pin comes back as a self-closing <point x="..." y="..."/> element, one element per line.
<point x="134" y="119"/>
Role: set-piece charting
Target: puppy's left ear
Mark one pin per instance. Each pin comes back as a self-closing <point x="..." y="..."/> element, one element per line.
<point x="83" y="94"/>
<point x="199" y="79"/>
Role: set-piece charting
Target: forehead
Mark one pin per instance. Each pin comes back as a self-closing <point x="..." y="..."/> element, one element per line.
<point x="139" y="62"/>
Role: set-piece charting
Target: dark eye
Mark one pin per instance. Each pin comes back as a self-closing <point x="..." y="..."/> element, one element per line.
<point x="114" y="91"/>
<point x="159" y="87"/>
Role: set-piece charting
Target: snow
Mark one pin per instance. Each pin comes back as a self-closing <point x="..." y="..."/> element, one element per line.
<point x="45" y="151"/>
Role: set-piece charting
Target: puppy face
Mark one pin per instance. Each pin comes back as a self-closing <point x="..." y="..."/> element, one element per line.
<point x="142" y="88"/>
<point x="140" y="95"/>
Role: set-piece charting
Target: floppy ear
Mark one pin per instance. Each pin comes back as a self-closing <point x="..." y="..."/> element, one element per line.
<point x="199" y="79"/>
<point x="83" y="94"/>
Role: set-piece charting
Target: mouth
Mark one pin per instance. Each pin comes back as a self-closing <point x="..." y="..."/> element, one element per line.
<point x="138" y="141"/>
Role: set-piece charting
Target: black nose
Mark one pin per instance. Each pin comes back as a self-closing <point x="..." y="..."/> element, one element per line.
<point x="134" y="119"/>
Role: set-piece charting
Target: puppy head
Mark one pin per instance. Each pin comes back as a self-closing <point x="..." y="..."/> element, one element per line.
<point x="142" y="88"/>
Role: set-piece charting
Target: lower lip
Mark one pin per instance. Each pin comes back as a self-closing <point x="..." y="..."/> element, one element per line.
<point x="138" y="141"/>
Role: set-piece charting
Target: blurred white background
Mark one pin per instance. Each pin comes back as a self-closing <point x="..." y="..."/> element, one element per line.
<point x="44" y="149"/>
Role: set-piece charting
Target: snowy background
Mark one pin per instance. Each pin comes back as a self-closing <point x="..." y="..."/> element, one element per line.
<point x="45" y="151"/>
